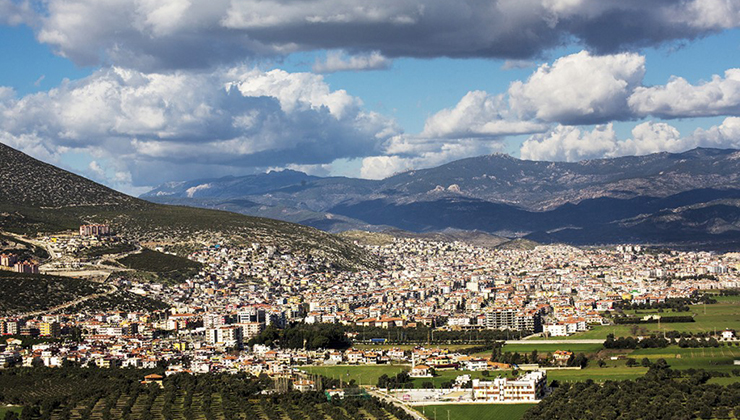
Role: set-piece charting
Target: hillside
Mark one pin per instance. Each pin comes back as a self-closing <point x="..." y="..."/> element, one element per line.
<point x="28" y="182"/>
<point x="42" y="293"/>
<point x="37" y="197"/>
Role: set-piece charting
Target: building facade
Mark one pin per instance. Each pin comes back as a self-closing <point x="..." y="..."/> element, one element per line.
<point x="528" y="388"/>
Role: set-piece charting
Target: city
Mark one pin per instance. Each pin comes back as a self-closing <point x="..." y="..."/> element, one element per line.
<point x="218" y="320"/>
<point x="369" y="210"/>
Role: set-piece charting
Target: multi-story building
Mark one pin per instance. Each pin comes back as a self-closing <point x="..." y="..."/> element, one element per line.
<point x="229" y="336"/>
<point x="50" y="329"/>
<point x="250" y="329"/>
<point x="13" y="327"/>
<point x="530" y="387"/>
<point x="8" y="260"/>
<point x="251" y="314"/>
<point x="513" y="319"/>
<point x="94" y="230"/>
<point x="26" y="267"/>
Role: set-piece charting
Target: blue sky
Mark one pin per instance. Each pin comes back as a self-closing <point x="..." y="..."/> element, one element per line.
<point x="148" y="91"/>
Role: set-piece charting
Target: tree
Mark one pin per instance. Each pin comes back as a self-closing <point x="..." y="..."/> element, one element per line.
<point x="645" y="362"/>
<point x="631" y="362"/>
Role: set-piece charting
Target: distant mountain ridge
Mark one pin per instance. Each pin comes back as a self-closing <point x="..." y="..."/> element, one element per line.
<point x="231" y="187"/>
<point x="533" y="185"/>
<point x="589" y="202"/>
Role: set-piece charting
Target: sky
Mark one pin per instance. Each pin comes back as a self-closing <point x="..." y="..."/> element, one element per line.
<point x="135" y="93"/>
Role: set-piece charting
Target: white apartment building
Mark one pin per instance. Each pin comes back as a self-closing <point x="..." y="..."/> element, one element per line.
<point x="530" y="387"/>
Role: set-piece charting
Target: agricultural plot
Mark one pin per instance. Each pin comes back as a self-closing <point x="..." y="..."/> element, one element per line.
<point x="710" y="358"/>
<point x="474" y="411"/>
<point x="443" y="376"/>
<point x="364" y="375"/>
<point x="715" y="317"/>
<point x="550" y="348"/>
<point x="596" y="374"/>
<point x="5" y="410"/>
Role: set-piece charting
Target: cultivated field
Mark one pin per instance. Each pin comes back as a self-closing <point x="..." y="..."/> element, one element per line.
<point x="475" y="411"/>
<point x="716" y="317"/>
<point x="363" y="375"/>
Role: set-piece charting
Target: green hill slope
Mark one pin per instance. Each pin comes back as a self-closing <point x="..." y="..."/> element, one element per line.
<point x="41" y="293"/>
<point x="37" y="197"/>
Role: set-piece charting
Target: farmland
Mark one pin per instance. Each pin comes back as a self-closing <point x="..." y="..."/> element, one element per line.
<point x="475" y="411"/>
<point x="714" y="317"/>
<point x="365" y="375"/>
<point x="5" y="410"/>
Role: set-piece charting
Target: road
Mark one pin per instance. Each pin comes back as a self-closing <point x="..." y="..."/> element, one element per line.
<point x="398" y="403"/>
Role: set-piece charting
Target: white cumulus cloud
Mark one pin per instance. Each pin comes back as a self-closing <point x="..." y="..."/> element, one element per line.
<point x="567" y="143"/>
<point x="579" y="88"/>
<point x="153" y="123"/>
<point x="478" y="114"/>
<point x="679" y="99"/>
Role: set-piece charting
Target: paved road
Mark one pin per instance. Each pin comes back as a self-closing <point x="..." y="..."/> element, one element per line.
<point x="398" y="403"/>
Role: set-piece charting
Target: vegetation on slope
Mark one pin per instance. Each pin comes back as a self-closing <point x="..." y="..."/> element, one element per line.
<point x="168" y="268"/>
<point x="37" y="292"/>
<point x="37" y="197"/>
<point x="23" y="249"/>
<point x="367" y="238"/>
<point x="108" y="249"/>
<point x="117" y="301"/>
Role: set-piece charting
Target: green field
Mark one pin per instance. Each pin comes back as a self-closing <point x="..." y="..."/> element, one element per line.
<point x="723" y="381"/>
<point x="549" y="348"/>
<point x="665" y="312"/>
<point x="474" y="411"/>
<point x="597" y="374"/>
<point x="363" y="375"/>
<point x="5" y="410"/>
<point x="450" y="375"/>
<point x="716" y="317"/>
<point x="717" y="359"/>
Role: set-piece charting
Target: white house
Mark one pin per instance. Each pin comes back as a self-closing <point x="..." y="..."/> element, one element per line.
<point x="421" y="371"/>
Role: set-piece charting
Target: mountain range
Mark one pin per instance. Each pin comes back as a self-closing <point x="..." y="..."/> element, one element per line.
<point x="677" y="199"/>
